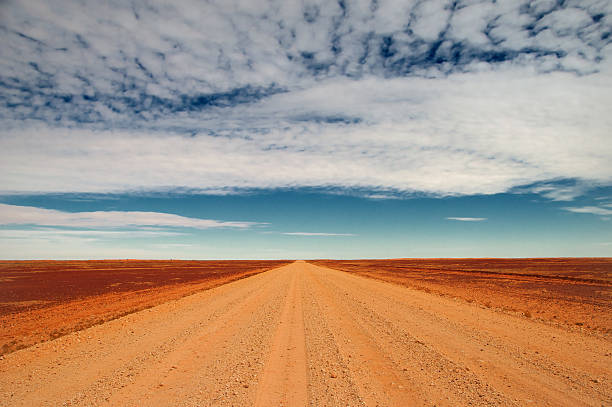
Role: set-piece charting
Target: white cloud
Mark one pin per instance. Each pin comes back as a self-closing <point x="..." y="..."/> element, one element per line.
<point x="466" y="134"/>
<point x="432" y="18"/>
<point x="466" y="219"/>
<point x="87" y="234"/>
<point x="469" y="23"/>
<point x="316" y="234"/>
<point x="403" y="96"/>
<point x="567" y="21"/>
<point x="595" y="210"/>
<point x="558" y="192"/>
<point x="381" y="196"/>
<point x="27" y="215"/>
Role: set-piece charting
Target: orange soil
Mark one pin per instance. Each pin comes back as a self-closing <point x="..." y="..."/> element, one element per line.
<point x="42" y="300"/>
<point x="304" y="335"/>
<point x="572" y="291"/>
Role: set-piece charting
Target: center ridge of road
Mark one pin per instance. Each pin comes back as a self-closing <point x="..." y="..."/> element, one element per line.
<point x="304" y="335"/>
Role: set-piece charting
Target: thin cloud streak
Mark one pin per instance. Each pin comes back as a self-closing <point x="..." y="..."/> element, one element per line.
<point x="29" y="233"/>
<point x="466" y="219"/>
<point x="28" y="215"/>
<point x="594" y="210"/>
<point x="316" y="234"/>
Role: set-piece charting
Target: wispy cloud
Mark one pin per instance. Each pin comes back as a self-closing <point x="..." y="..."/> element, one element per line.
<point x="431" y="97"/>
<point x="604" y="210"/>
<point x="382" y="196"/>
<point x="18" y="233"/>
<point x="316" y="234"/>
<point x="557" y="191"/>
<point x="466" y="219"/>
<point x="27" y="215"/>
<point x="83" y="235"/>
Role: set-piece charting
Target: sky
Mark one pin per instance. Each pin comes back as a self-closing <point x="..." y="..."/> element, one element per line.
<point x="311" y="129"/>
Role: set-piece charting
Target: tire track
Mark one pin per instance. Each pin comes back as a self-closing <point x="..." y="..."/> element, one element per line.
<point x="284" y="381"/>
<point x="377" y="376"/>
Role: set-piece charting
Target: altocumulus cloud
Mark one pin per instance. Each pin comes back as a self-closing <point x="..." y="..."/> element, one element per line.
<point x="439" y="97"/>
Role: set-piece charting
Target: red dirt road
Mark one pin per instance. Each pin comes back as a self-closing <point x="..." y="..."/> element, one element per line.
<point x="307" y="335"/>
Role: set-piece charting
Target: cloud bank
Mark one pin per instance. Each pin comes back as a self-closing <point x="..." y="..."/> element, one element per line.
<point x="435" y="97"/>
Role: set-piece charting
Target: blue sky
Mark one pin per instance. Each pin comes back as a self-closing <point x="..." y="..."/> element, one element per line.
<point x="275" y="129"/>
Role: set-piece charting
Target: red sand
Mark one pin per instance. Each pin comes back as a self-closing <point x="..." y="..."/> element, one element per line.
<point x="572" y="291"/>
<point x="40" y="300"/>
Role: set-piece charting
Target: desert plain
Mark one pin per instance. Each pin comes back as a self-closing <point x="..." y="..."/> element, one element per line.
<point x="403" y="332"/>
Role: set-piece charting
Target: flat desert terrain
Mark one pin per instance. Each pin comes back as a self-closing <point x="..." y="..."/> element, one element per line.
<point x="307" y="334"/>
<point x="42" y="300"/>
<point x="567" y="291"/>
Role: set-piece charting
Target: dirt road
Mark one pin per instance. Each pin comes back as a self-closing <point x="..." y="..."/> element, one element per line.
<point x="307" y="335"/>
